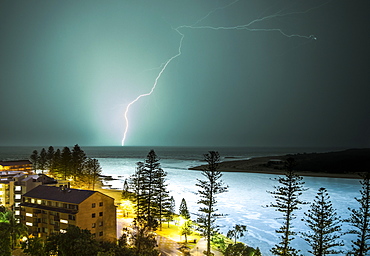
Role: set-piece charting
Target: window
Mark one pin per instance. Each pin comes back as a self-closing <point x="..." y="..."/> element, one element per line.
<point x="93" y="205"/>
<point x="28" y="214"/>
<point x="101" y="233"/>
<point x="64" y="221"/>
<point x="17" y="196"/>
<point x="72" y="206"/>
<point x="93" y="225"/>
<point x="18" y="188"/>
<point x="100" y="223"/>
<point x="93" y="215"/>
<point x="100" y="214"/>
<point x="72" y="217"/>
<point x="101" y="204"/>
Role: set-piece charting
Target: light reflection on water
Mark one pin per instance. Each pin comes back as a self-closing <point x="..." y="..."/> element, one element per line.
<point x="245" y="199"/>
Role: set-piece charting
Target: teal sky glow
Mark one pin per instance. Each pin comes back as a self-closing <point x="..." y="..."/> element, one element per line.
<point x="69" y="68"/>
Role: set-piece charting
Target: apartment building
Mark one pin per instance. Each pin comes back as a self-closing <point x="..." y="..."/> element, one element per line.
<point x="13" y="184"/>
<point x="16" y="165"/>
<point x="46" y="210"/>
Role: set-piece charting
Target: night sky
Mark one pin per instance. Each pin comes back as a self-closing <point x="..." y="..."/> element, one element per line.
<point x="68" y="69"/>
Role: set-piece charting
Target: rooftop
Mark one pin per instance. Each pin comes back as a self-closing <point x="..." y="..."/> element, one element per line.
<point x="68" y="195"/>
<point x="15" y="162"/>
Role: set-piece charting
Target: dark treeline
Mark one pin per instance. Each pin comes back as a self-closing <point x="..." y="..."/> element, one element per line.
<point x="347" y="161"/>
<point x="67" y="164"/>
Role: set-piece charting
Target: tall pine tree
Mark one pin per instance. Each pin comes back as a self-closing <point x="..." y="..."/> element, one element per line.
<point x="183" y="210"/>
<point x="150" y="189"/>
<point x="324" y="226"/>
<point x="163" y="199"/>
<point x="136" y="187"/>
<point x="208" y="190"/>
<point x="34" y="158"/>
<point x="65" y="162"/>
<point x="360" y="220"/>
<point x="287" y="201"/>
<point x="78" y="160"/>
<point x="42" y="163"/>
<point x="49" y="157"/>
<point x="170" y="212"/>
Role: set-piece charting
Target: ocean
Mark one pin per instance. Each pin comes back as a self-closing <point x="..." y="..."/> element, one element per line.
<point x="247" y="196"/>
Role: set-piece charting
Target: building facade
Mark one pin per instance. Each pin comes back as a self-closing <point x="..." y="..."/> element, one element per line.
<point x="46" y="210"/>
<point x="13" y="184"/>
<point x="18" y="165"/>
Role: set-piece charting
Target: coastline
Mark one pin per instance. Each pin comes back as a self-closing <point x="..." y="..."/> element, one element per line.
<point x="261" y="165"/>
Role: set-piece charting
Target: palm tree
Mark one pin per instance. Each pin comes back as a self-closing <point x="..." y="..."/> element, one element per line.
<point x="10" y="227"/>
<point x="237" y="232"/>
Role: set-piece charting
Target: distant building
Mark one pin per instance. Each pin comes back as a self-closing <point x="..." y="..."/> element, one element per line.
<point x="18" y="165"/>
<point x="13" y="184"/>
<point x="46" y="210"/>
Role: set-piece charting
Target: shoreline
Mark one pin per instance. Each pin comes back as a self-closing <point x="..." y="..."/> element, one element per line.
<point x="260" y="165"/>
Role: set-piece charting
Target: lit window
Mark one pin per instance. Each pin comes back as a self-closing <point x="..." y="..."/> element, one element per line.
<point x="38" y="201"/>
<point x="17" y="212"/>
<point x="63" y="231"/>
<point x="29" y="224"/>
<point x="1" y="193"/>
<point x="64" y="221"/>
<point x="18" y="188"/>
<point x="28" y="214"/>
<point x="17" y="204"/>
<point x="17" y="196"/>
<point x="32" y="200"/>
<point x="93" y="225"/>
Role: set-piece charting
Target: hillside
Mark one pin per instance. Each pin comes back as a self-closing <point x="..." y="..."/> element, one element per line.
<point x="344" y="164"/>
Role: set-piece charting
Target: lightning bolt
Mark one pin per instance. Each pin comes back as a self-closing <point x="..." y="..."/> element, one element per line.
<point x="163" y="67"/>
<point x="247" y="27"/>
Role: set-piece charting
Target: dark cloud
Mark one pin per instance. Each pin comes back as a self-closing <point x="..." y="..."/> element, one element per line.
<point x="68" y="70"/>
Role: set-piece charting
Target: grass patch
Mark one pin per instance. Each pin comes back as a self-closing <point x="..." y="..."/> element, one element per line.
<point x="173" y="232"/>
